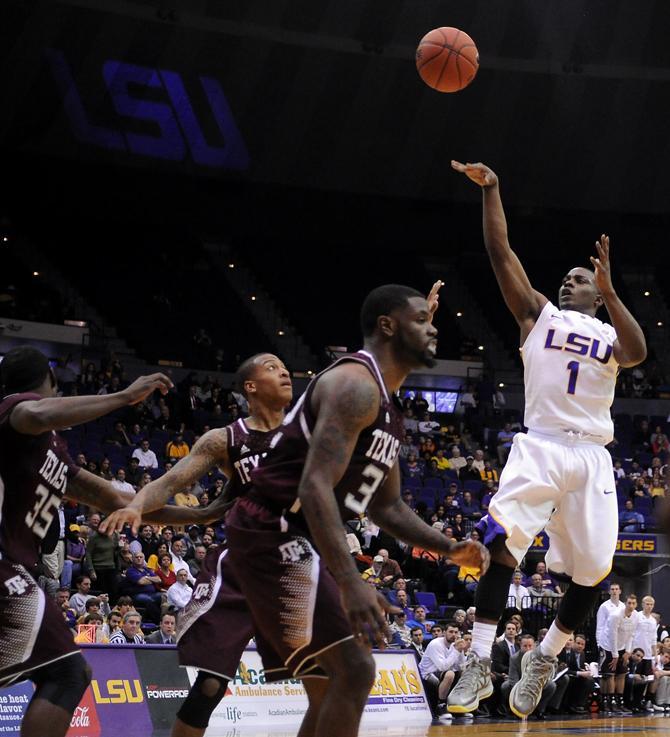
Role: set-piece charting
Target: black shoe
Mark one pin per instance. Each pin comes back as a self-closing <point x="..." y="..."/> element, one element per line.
<point x="624" y="709"/>
<point x="540" y="716"/>
<point x="482" y="711"/>
<point x="615" y="708"/>
<point x="576" y="710"/>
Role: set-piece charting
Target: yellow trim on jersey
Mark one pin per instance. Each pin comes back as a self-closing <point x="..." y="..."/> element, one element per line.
<point x="609" y="570"/>
<point x="507" y="532"/>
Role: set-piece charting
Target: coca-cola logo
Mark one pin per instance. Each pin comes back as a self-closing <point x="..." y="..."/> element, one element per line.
<point x="80" y="718"/>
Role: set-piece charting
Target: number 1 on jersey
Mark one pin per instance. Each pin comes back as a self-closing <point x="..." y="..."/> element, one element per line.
<point x="573" y="368"/>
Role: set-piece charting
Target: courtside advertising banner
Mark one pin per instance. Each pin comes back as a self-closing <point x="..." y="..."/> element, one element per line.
<point x="136" y="692"/>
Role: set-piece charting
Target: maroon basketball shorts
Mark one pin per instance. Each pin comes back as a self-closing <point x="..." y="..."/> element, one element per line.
<point x="293" y="598"/>
<point x="33" y="632"/>
<point x="216" y="625"/>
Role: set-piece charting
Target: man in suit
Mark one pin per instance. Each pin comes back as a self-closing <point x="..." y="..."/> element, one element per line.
<point x="501" y="652"/>
<point x="165" y="634"/>
<point x="581" y="680"/>
<point x="416" y="642"/>
<point x="527" y="644"/>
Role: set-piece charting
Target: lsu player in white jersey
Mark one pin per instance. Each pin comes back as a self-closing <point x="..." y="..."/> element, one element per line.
<point x="559" y="475"/>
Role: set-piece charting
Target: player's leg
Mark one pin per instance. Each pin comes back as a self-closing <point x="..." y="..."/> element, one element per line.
<point x="59" y="687"/>
<point x="583" y="534"/>
<point x="316" y="691"/>
<point x="204" y="696"/>
<point x="351" y="674"/>
<point x="518" y="512"/>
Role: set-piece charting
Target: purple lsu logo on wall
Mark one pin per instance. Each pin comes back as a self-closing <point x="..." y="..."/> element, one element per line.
<point x="179" y="131"/>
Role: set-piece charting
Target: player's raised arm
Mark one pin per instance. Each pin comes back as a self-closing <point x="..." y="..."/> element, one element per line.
<point x="89" y="489"/>
<point x="210" y="450"/>
<point x="44" y="415"/>
<point x="630" y="347"/>
<point x="346" y="400"/>
<point x="391" y="513"/>
<point x="523" y="301"/>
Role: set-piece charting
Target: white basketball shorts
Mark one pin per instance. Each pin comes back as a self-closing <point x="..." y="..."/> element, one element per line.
<point x="567" y="489"/>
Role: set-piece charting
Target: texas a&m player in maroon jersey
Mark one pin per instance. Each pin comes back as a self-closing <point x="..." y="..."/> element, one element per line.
<point x="335" y="456"/>
<point x="36" y="473"/>
<point x="216" y="624"/>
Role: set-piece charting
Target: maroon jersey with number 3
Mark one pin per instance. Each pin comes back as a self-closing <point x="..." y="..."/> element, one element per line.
<point x="276" y="481"/>
<point x="34" y="472"/>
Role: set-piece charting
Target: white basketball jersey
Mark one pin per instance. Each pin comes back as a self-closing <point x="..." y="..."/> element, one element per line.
<point x="569" y="375"/>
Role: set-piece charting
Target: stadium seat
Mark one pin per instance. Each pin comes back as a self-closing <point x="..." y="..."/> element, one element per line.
<point x="428" y="600"/>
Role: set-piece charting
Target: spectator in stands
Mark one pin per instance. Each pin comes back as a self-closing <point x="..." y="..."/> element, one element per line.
<point x="75" y="552"/>
<point x="165" y="572"/>
<point x="427" y="446"/>
<point x="468" y="472"/>
<point x="635" y="470"/>
<point x="505" y="438"/>
<point x="642" y="437"/>
<point x="78" y="600"/>
<point x="166" y="633"/>
<point x="133" y="471"/>
<point x="145" y="456"/>
<point x="401" y="634"/>
<point x="491" y="489"/>
<point x="196" y="563"/>
<point x="428" y="426"/>
<point x="419" y="404"/>
<point x="145" y="479"/>
<point x="101" y="558"/>
<point x="216" y="489"/>
<point x="469" y="507"/>
<point x="119" y="481"/>
<point x="412" y="468"/>
<point x="416" y="642"/>
<point x="636" y="683"/>
<point x="179" y="594"/>
<point x="514" y="675"/>
<point x="466" y="404"/>
<point x="92" y="467"/>
<point x="629" y="519"/>
<point x="119" y="436"/>
<point x="441" y="660"/>
<point x="408" y="498"/>
<point x="112" y="623"/>
<point x="373" y="574"/>
<point x="458" y="526"/>
<point x="656" y="467"/>
<point x="186" y="498"/>
<point x="130" y="631"/>
<point x="456" y="461"/>
<point x="640" y="487"/>
<point x="581" y="680"/>
<point x="547" y="579"/>
<point x="410" y="423"/>
<point x="432" y="470"/>
<point x="136" y="434"/>
<point x="479" y="461"/>
<point x="147" y="542"/>
<point x="162" y="548"/>
<point x="177" y="448"/>
<point x="537" y="591"/>
<point x="407" y="446"/>
<point x="419" y="619"/>
<point x="619" y="473"/>
<point x="390" y="568"/>
<point x="657" y="486"/>
<point x="141" y="584"/>
<point x="178" y="552"/>
<point x="517" y="592"/>
<point x="442" y="463"/>
<point x="450" y="500"/>
<point x="489" y="473"/>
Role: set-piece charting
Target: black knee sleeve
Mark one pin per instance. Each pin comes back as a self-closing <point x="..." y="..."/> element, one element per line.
<point x="204" y="696"/>
<point x="576" y="605"/>
<point x="63" y="683"/>
<point x="492" y="590"/>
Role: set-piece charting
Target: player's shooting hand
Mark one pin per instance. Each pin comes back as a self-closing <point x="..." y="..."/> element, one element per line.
<point x="119" y="519"/>
<point x="471" y="554"/>
<point x="365" y="609"/>
<point x="601" y="265"/>
<point x="433" y="297"/>
<point x="143" y="387"/>
<point x="479" y="173"/>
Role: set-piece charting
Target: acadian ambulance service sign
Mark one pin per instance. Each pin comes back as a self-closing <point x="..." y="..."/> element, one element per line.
<point x="250" y="701"/>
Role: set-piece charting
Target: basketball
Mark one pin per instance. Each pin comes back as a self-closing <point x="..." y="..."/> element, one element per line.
<point x="447" y="59"/>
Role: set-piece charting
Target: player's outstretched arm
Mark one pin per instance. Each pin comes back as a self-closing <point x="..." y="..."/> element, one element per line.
<point x="630" y="347"/>
<point x="210" y="450"/>
<point x="391" y="513"/>
<point x="345" y="400"/>
<point x="44" y="415"/>
<point x="93" y="491"/>
<point x="521" y="299"/>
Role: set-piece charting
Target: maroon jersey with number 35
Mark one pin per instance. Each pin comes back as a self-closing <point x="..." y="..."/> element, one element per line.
<point x="275" y="481"/>
<point x="34" y="472"/>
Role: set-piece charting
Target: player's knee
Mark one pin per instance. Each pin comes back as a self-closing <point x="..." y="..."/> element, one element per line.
<point x="362" y="674"/>
<point x="204" y="696"/>
<point x="64" y="682"/>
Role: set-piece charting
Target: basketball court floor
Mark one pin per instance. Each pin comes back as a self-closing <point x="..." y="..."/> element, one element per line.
<point x="632" y="726"/>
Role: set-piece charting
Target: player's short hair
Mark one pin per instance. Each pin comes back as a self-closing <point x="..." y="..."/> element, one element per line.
<point x="22" y="370"/>
<point x="527" y="636"/>
<point x="581" y="636"/>
<point x="245" y="372"/>
<point x="382" y="301"/>
<point x="415" y="629"/>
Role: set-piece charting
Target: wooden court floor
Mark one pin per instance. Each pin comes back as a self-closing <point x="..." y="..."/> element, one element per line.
<point x="630" y="726"/>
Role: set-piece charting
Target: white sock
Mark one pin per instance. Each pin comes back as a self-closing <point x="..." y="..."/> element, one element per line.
<point x="554" y="641"/>
<point x="483" y="636"/>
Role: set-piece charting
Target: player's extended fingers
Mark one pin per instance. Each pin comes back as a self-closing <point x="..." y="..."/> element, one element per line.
<point x="458" y="166"/>
<point x="595" y="262"/>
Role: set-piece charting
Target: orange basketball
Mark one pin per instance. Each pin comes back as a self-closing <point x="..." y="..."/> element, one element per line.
<point x="447" y="59"/>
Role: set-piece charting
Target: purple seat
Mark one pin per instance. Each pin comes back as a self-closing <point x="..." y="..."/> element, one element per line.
<point x="426" y="599"/>
<point x="433" y="483"/>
